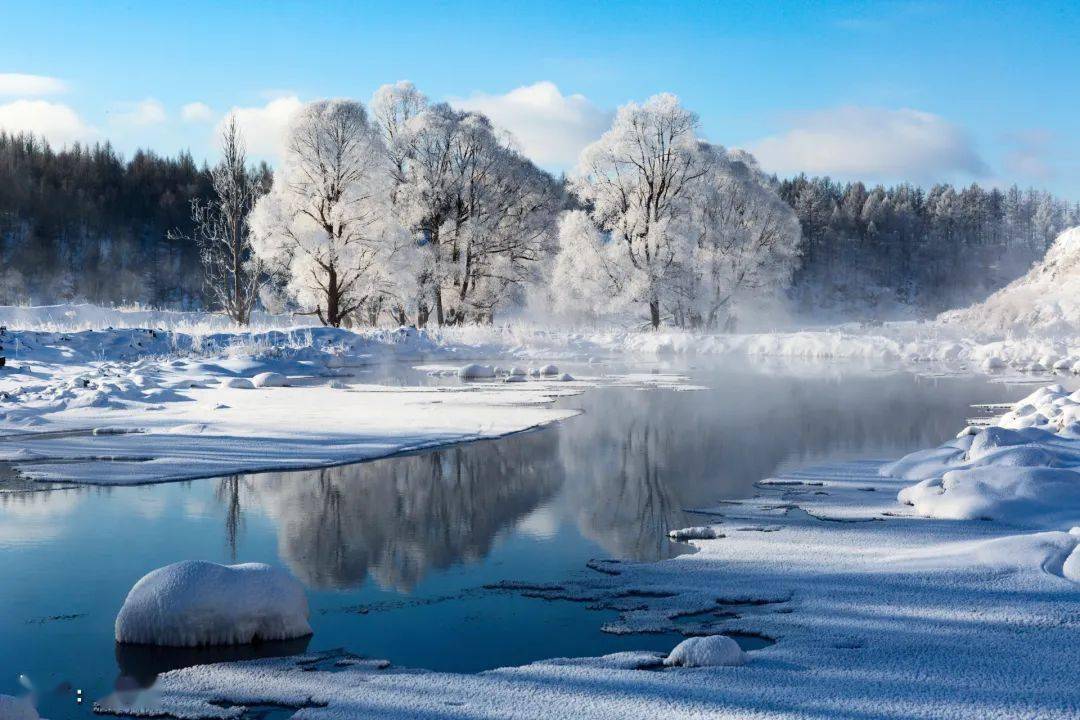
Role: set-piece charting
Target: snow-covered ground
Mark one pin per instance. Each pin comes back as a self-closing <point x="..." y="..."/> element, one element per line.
<point x="152" y="404"/>
<point x="878" y="610"/>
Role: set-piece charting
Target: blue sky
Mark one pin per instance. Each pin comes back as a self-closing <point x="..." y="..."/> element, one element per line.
<point x="924" y="91"/>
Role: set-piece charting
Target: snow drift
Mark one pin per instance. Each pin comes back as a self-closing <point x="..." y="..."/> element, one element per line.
<point x="1025" y="469"/>
<point x="1045" y="301"/>
<point x="202" y="603"/>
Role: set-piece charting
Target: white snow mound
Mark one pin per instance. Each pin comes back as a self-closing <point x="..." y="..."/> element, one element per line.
<point x="268" y="379"/>
<point x="1045" y="301"/>
<point x="711" y="651"/>
<point x="195" y="603"/>
<point x="1024" y="469"/>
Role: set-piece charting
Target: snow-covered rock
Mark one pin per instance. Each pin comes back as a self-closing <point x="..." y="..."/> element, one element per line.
<point x="237" y="383"/>
<point x="195" y="602"/>
<point x="710" y="651"/>
<point x="517" y="372"/>
<point x="549" y="370"/>
<point x="566" y="377"/>
<point x="475" y="371"/>
<point x="992" y="363"/>
<point x="268" y="380"/>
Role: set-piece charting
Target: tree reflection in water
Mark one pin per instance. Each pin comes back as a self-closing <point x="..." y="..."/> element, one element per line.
<point x="399" y="518"/>
<point x="624" y="473"/>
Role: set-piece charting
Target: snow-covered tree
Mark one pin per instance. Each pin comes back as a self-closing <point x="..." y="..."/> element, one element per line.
<point x="638" y="180"/>
<point x="744" y="243"/>
<point x="480" y="214"/>
<point x="326" y="218"/>
<point x="234" y="274"/>
<point x="672" y="222"/>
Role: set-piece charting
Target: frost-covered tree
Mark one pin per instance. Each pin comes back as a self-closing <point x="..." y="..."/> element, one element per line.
<point x="638" y="180"/>
<point x="480" y="214"/>
<point x="233" y="273"/>
<point x="744" y="243"/>
<point x="326" y="218"/>
<point x="680" y="225"/>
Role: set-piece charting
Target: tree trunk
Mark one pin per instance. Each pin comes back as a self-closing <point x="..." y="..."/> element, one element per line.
<point x="654" y="313"/>
<point x="333" y="300"/>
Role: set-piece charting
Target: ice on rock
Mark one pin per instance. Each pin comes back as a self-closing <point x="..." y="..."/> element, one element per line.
<point x="268" y="380"/>
<point x="566" y="377"/>
<point x="549" y="370"/>
<point x="239" y="383"/>
<point x="473" y="371"/>
<point x="993" y="362"/>
<point x="701" y="532"/>
<point x="710" y="651"/>
<point x="514" y="379"/>
<point x="517" y="372"/>
<point x="195" y="603"/>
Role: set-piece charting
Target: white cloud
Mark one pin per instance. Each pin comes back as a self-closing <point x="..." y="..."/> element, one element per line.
<point x="1030" y="154"/>
<point x="21" y="84"/>
<point x="140" y="114"/>
<point x="263" y="127"/>
<point x="872" y="143"/>
<point x="196" y="112"/>
<point x="57" y="123"/>
<point x="550" y="127"/>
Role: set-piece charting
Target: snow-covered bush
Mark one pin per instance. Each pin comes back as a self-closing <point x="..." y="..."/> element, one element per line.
<point x="202" y="603"/>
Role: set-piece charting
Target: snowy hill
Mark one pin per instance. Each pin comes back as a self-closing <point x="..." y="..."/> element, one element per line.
<point x="1045" y="301"/>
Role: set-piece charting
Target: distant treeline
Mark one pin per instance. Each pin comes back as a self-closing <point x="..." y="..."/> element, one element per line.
<point x="85" y="224"/>
<point x="879" y="248"/>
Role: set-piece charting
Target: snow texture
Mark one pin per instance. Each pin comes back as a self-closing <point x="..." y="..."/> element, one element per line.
<point x="195" y="603"/>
